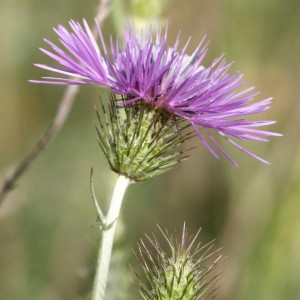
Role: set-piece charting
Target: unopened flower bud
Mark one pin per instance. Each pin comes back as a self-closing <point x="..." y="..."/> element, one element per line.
<point x="184" y="272"/>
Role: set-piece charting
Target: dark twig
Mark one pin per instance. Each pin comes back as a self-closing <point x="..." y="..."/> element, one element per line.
<point x="61" y="116"/>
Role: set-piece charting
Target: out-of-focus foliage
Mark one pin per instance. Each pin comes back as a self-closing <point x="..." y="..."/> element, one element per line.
<point x="145" y="11"/>
<point x="48" y="240"/>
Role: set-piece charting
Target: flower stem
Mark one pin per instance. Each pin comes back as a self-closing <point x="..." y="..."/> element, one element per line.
<point x="66" y="104"/>
<point x="119" y="14"/>
<point x="108" y="238"/>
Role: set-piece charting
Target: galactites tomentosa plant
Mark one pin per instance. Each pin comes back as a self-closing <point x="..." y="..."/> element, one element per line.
<point x="182" y="272"/>
<point x="159" y="95"/>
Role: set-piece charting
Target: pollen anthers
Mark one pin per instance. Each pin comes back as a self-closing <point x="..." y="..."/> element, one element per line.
<point x="138" y="141"/>
<point x="182" y="272"/>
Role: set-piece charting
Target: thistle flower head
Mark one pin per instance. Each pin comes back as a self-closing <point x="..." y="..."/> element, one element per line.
<point x="139" y="142"/>
<point x="183" y="272"/>
<point x="146" y="70"/>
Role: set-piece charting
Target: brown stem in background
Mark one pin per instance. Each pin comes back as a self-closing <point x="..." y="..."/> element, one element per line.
<point x="61" y="116"/>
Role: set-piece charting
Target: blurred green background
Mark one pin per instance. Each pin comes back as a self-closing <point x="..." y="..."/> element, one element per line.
<point x="48" y="238"/>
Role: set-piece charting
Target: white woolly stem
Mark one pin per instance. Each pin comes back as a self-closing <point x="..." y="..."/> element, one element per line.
<point x="108" y="238"/>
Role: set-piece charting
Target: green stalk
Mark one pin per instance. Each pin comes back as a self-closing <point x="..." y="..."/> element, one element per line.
<point x="108" y="238"/>
<point x="119" y="14"/>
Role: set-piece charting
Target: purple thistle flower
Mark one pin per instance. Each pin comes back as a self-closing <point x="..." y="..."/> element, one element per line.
<point x="145" y="69"/>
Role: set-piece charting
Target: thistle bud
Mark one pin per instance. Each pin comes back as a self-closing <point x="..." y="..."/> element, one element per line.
<point x="184" y="272"/>
<point x="138" y="141"/>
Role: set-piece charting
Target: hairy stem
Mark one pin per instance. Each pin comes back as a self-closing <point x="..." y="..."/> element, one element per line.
<point x="108" y="237"/>
<point x="60" y="118"/>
